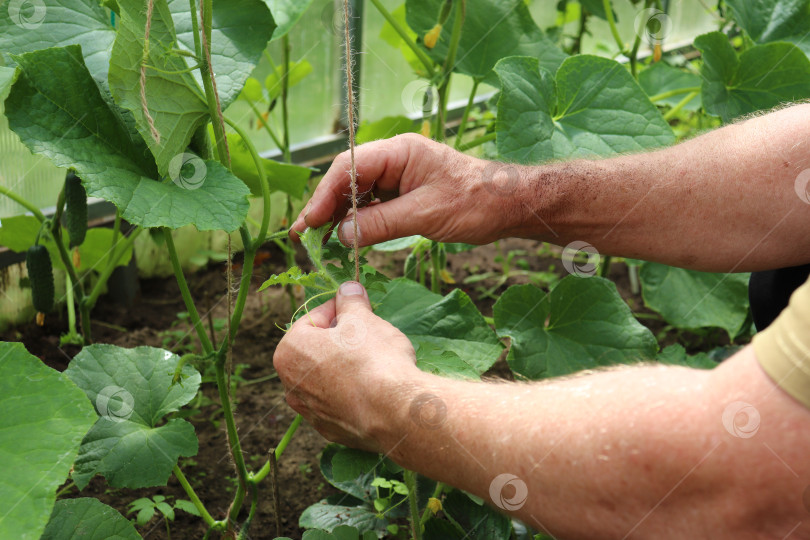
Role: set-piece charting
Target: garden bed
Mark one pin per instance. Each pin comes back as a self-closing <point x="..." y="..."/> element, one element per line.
<point x="261" y="412"/>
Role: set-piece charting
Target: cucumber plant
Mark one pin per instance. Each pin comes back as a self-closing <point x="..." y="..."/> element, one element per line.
<point x="145" y="102"/>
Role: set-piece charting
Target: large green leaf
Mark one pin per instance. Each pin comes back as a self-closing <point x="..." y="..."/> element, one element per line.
<point x="57" y="110"/>
<point x="774" y="20"/>
<point x="286" y="13"/>
<point x="331" y="513"/>
<point x="689" y="299"/>
<point x="582" y="324"/>
<point x="88" y="519"/>
<point x="493" y="29"/>
<point x="661" y="77"/>
<point x="435" y="323"/>
<point x="176" y="104"/>
<point x="132" y="390"/>
<point x="676" y="355"/>
<point x="43" y="421"/>
<point x="56" y="23"/>
<point x="479" y="521"/>
<point x="341" y="532"/>
<point x="239" y="34"/>
<point x="6" y="79"/>
<point x="761" y="78"/>
<point x="291" y="179"/>
<point x="594" y="108"/>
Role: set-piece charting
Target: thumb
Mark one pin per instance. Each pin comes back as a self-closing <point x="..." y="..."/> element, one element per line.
<point x="351" y="298"/>
<point x="377" y="223"/>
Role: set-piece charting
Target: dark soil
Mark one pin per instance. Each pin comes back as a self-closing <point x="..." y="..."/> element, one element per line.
<point x="262" y="414"/>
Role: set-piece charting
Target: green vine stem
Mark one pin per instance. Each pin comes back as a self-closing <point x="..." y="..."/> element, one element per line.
<point x="413" y="504"/>
<point x="208" y="83"/>
<point x="207" y="346"/>
<point x="285" y="120"/>
<point x="282" y="445"/>
<point x="604" y="268"/>
<point x="192" y="495"/>
<point x="257" y="160"/>
<point x="67" y="261"/>
<point x="612" y="22"/>
<point x="449" y="66"/>
<point x="285" y="96"/>
<point x="676" y="92"/>
<point x="22" y="201"/>
<point x="254" y="503"/>
<point x="483" y="139"/>
<point x="244" y="286"/>
<point x="420" y="54"/>
<point x="681" y="104"/>
<point x="462" y="128"/>
<point x="71" y="311"/>
<point x="436" y="494"/>
<point x="233" y="438"/>
<point x="266" y="125"/>
<point x="436" y="269"/>
<point x="637" y="45"/>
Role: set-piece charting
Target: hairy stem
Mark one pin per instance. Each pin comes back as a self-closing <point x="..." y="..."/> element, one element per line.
<point x="413" y="504"/>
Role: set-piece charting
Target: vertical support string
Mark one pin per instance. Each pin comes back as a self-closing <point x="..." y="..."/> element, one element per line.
<point x="352" y="135"/>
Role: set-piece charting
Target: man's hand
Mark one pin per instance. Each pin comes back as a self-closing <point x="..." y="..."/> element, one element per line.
<point x="342" y="366"/>
<point x="425" y="187"/>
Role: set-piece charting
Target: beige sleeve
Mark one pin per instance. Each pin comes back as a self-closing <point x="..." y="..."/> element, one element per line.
<point x="783" y="349"/>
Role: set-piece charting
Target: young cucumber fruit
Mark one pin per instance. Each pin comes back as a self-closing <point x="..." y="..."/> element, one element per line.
<point x="40" y="274"/>
<point x="75" y="209"/>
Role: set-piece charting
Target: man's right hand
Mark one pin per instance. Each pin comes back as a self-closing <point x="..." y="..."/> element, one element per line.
<point x="422" y="187"/>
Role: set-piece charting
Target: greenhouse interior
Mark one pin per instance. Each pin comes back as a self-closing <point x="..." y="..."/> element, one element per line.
<point x="406" y="269"/>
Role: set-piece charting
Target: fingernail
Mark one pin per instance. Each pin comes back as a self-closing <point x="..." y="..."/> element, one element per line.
<point x="351" y="288"/>
<point x="347" y="232"/>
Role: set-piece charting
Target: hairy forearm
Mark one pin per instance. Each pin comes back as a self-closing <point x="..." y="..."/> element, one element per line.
<point x="638" y="452"/>
<point x="724" y="201"/>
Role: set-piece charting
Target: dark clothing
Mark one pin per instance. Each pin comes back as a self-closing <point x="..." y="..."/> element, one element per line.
<point x="769" y="292"/>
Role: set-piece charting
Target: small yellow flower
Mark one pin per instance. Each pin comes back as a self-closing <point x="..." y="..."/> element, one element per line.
<point x="435" y="505"/>
<point x="432" y="37"/>
<point x="77" y="258"/>
<point x="426" y="128"/>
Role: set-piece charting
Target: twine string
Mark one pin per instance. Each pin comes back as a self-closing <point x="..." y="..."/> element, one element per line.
<point x="352" y="134"/>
